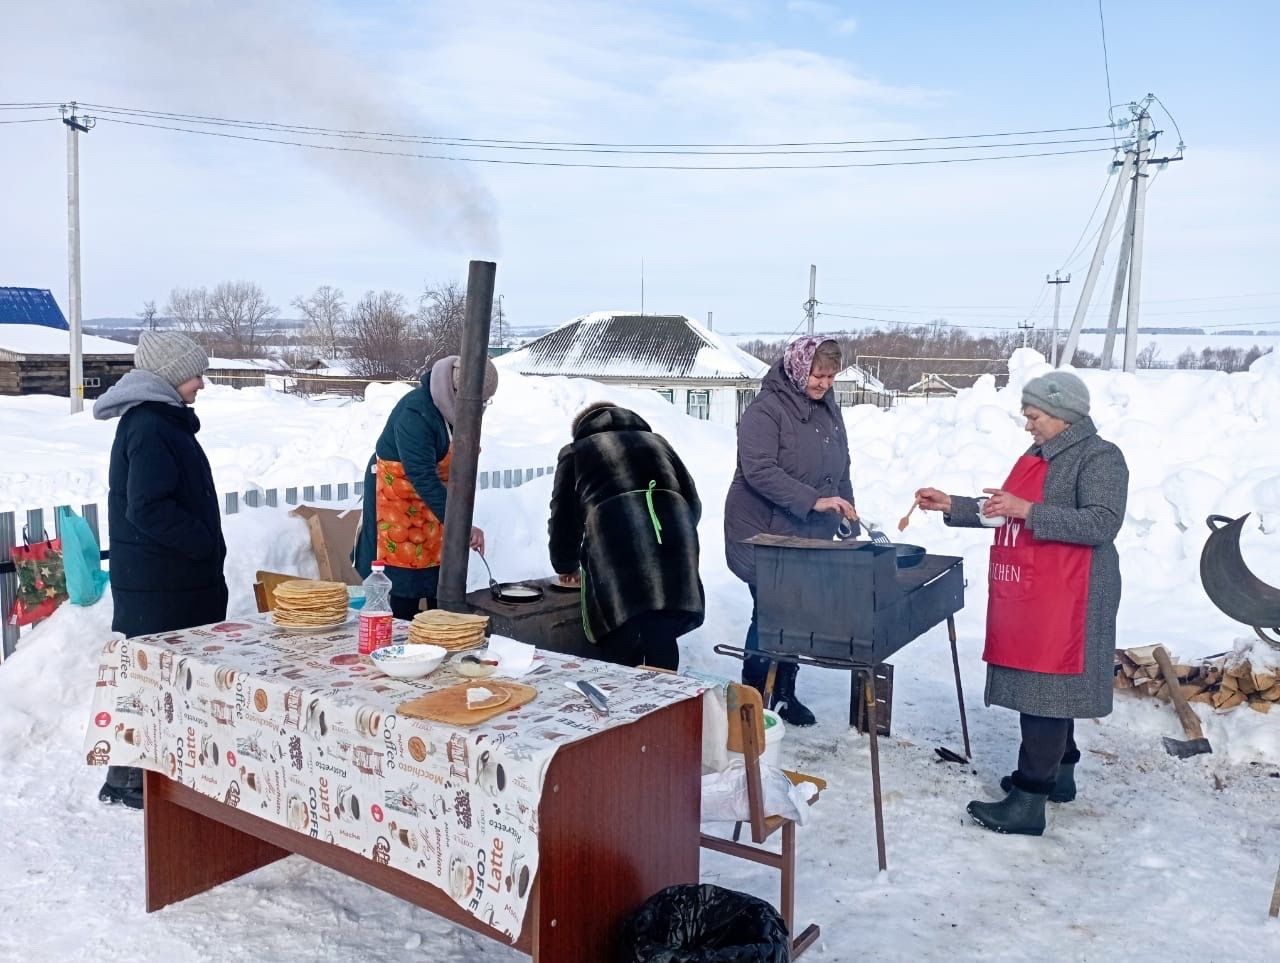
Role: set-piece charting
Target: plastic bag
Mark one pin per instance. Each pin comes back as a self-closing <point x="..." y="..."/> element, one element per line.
<point x="724" y="795"/>
<point x="81" y="558"/>
<point x="42" y="584"/>
<point x="694" y="923"/>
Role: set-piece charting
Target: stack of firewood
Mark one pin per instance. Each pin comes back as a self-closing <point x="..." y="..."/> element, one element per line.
<point x="1223" y="681"/>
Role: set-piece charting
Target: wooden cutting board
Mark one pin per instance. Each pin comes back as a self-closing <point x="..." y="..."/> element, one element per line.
<point x="450" y="705"/>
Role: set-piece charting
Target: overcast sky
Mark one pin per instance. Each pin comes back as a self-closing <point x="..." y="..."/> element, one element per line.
<point x="966" y="242"/>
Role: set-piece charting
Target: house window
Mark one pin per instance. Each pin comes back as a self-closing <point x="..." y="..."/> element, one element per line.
<point x="667" y="394"/>
<point x="93" y="382"/>
<point x="745" y="397"/>
<point x="699" y="405"/>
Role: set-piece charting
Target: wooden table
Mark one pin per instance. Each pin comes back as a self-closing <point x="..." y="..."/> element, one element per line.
<point x="618" y="821"/>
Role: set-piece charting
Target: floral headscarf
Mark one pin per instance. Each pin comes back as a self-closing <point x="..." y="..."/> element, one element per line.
<point x="797" y="359"/>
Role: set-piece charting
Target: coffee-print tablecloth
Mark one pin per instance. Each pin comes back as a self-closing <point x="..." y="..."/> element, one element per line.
<point x="303" y="731"/>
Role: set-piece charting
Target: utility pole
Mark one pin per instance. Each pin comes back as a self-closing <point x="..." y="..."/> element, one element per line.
<point x="1091" y="278"/>
<point x="811" y="306"/>
<point x="1139" y="210"/>
<point x="1134" y="176"/>
<point x="1026" y="327"/>
<point x="1117" y="291"/>
<point x="75" y="360"/>
<point x="642" y="287"/>
<point x="1057" y="283"/>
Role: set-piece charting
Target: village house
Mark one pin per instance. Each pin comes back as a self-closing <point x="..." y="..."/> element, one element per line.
<point x="701" y="373"/>
<point x="35" y="349"/>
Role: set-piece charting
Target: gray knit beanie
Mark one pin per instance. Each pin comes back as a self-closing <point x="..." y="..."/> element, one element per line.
<point x="171" y="355"/>
<point x="1058" y="393"/>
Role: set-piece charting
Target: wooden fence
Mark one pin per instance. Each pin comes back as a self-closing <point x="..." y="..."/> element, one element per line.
<point x="36" y="521"/>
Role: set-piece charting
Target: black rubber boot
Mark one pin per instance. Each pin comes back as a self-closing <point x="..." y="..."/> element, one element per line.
<point x="785" y="704"/>
<point x="1019" y="813"/>
<point x="1064" y="790"/>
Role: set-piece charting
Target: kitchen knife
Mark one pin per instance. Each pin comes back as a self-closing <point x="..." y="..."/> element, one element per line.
<point x="599" y="701"/>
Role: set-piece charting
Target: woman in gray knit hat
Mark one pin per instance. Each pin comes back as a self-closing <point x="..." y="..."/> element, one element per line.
<point x="1054" y="583"/>
<point x="167" y="549"/>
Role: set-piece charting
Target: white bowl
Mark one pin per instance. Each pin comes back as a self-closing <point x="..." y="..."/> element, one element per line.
<point x="474" y="670"/>
<point x="408" y="661"/>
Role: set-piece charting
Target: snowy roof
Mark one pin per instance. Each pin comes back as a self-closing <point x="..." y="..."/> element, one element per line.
<point x="649" y="346"/>
<point x="860" y="376"/>
<point x="17" y="341"/>
<point x="235" y="364"/>
<point x="31" y="306"/>
<point x="932" y="382"/>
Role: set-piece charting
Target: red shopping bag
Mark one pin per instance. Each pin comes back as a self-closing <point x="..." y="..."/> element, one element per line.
<point x="42" y="580"/>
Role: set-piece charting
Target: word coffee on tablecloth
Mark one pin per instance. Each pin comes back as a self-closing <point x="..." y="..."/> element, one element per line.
<point x="302" y="731"/>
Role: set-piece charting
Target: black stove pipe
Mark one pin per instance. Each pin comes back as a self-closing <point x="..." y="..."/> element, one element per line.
<point x="460" y="506"/>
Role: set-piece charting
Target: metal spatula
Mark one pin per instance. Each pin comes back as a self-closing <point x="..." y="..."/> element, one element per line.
<point x="493" y="583"/>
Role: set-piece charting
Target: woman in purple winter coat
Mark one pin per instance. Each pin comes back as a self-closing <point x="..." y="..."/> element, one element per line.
<point x="792" y="478"/>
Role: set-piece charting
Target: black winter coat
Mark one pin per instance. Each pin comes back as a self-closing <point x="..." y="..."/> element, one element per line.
<point x="791" y="452"/>
<point x="625" y="510"/>
<point x="167" y="549"/>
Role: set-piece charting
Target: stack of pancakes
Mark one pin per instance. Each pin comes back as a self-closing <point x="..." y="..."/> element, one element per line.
<point x="304" y="603"/>
<point x="452" y="631"/>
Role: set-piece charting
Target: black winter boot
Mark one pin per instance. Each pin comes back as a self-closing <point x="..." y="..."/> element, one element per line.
<point x="1020" y="813"/>
<point x="785" y="704"/>
<point x="1064" y="790"/>
<point x="123" y="785"/>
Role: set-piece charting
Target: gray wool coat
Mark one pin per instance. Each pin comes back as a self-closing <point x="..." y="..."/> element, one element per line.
<point x="1085" y="491"/>
<point x="791" y="452"/>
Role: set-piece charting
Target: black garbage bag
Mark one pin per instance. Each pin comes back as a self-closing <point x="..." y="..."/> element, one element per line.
<point x="704" y="924"/>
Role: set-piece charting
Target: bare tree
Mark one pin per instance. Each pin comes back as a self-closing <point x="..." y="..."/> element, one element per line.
<point x="238" y="312"/>
<point x="148" y="315"/>
<point x="442" y="311"/>
<point x="326" y="315"/>
<point x="1149" y="356"/>
<point x="189" y="307"/>
<point x="383" y="342"/>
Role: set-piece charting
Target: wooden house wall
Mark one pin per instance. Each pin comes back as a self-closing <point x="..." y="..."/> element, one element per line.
<point x="51" y="375"/>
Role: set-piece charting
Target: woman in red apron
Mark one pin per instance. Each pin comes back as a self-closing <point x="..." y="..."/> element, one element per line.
<point x="1054" y="588"/>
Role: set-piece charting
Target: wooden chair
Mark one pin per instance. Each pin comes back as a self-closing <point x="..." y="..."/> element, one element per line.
<point x="264" y="588"/>
<point x="746" y="735"/>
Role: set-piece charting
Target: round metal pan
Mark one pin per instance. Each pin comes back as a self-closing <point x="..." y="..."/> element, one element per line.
<point x="909" y="555"/>
<point x="516" y="593"/>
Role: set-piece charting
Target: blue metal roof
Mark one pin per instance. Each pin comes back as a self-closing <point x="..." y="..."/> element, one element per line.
<point x="31" y="306"/>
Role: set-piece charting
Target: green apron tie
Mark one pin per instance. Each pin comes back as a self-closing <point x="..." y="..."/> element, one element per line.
<point x="653" y="515"/>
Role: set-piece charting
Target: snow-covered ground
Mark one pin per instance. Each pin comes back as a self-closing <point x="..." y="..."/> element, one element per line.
<point x="1157" y="859"/>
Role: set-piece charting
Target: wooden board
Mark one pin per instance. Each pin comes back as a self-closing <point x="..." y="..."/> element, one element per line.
<point x="450" y="705"/>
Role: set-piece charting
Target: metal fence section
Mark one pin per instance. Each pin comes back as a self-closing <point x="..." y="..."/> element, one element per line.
<point x="33" y="522"/>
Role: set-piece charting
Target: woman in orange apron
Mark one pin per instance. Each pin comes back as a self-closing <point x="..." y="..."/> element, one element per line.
<point x="402" y="525"/>
<point x="1054" y="588"/>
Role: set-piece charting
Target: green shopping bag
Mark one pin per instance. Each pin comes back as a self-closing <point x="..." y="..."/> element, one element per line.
<point x="81" y="559"/>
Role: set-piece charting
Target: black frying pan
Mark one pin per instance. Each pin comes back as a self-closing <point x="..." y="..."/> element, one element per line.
<point x="513" y="593"/>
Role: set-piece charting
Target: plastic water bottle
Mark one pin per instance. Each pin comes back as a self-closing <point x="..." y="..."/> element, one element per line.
<point x="375" y="614"/>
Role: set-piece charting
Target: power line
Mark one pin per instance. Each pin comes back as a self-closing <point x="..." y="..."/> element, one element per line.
<point x="480" y="141"/>
<point x="1106" y="63"/>
<point x="1085" y="230"/>
<point x="520" y="162"/>
<point x="733" y="150"/>
<point x="31" y="120"/>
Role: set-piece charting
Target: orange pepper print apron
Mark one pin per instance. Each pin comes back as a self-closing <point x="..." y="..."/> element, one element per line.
<point x="1039" y="590"/>
<point x="409" y="534"/>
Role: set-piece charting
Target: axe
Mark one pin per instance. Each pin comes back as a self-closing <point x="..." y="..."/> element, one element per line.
<point x="1195" y="743"/>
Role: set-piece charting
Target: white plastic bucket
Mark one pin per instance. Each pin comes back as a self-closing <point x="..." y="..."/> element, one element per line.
<point x="774" y="731"/>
